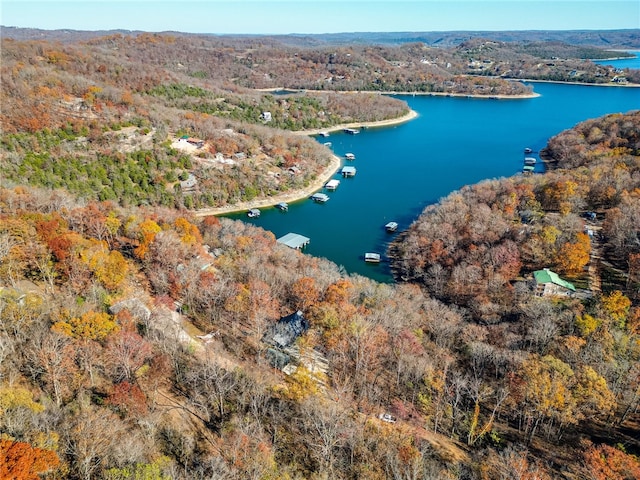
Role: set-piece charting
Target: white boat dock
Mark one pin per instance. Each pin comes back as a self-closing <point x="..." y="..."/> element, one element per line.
<point x="391" y="226"/>
<point x="294" y="240"/>
<point x="253" y="213"/>
<point x="529" y="161"/>
<point x="332" y="184"/>
<point x="324" y="134"/>
<point x="348" y="171"/>
<point x="351" y="131"/>
<point x="283" y="206"/>
<point x="349" y="156"/>
<point x="371" y="257"/>
<point x="320" y="197"/>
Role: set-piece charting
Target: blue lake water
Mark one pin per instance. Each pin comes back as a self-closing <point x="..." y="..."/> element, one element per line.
<point x="402" y="169"/>
<point x="625" y="62"/>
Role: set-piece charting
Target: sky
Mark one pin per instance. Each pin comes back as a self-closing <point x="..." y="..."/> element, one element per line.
<point x="320" y="16"/>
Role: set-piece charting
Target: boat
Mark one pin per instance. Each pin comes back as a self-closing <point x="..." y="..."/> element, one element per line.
<point x="351" y="131"/>
<point x="528" y="169"/>
<point x="528" y="150"/>
<point x="320" y="197"/>
<point x="253" y="213"/>
<point x="324" y="134"/>
<point x="349" y="156"/>
<point x="327" y="144"/>
<point x="391" y="226"/>
<point x="283" y="206"/>
<point x="371" y="257"/>
<point x="332" y="184"/>
<point x="529" y="161"/>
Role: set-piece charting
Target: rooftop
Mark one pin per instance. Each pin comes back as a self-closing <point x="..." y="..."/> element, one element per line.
<point x="547" y="276"/>
<point x="294" y="240"/>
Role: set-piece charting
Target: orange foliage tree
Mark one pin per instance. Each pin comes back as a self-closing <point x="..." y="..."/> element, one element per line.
<point x="604" y="462"/>
<point x="573" y="257"/>
<point x="147" y="232"/>
<point x="21" y="461"/>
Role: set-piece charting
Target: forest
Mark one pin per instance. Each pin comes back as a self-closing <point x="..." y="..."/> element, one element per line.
<point x="140" y="341"/>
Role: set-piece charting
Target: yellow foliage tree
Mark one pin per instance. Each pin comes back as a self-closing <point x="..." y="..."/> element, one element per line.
<point x="592" y="393"/>
<point x="587" y="324"/>
<point x="90" y="326"/>
<point x="188" y="232"/>
<point x="109" y="267"/>
<point x="17" y="397"/>
<point x="617" y="306"/>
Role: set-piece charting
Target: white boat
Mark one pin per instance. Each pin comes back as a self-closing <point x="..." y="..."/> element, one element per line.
<point x="349" y="156"/>
<point x="327" y="144"/>
<point x="351" y="131"/>
<point x="528" y="150"/>
<point x="332" y="184"/>
<point x="320" y="197"/>
<point x="324" y="134"/>
<point x="282" y="206"/>
<point x="529" y="161"/>
<point x="253" y="213"/>
<point x="391" y="227"/>
<point x="372" y="257"/>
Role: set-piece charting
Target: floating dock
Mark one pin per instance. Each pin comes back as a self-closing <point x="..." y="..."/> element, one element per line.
<point x="351" y="131"/>
<point x="391" y="227"/>
<point x="348" y="171"/>
<point x="294" y="240"/>
<point x="529" y="161"/>
<point x="253" y="213"/>
<point x="371" y="257"/>
<point x="349" y="156"/>
<point x="283" y="206"/>
<point x="332" y="184"/>
<point x="320" y="197"/>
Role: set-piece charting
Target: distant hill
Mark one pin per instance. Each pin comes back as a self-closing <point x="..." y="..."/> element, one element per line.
<point x="623" y="39"/>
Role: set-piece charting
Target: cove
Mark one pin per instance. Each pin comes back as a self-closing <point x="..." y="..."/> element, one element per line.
<point x="455" y="141"/>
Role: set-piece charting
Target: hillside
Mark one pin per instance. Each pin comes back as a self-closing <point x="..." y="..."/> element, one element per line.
<point x="140" y="340"/>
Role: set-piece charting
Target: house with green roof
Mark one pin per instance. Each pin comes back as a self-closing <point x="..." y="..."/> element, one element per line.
<point x="549" y="283"/>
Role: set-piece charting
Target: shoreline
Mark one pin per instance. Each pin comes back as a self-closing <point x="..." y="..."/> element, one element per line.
<point x="379" y="123"/>
<point x="290" y="196"/>
<point x="422" y="94"/>
<point x="320" y="180"/>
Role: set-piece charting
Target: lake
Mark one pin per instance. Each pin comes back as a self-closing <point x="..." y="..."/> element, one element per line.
<point x="402" y="169"/>
<point x="624" y="62"/>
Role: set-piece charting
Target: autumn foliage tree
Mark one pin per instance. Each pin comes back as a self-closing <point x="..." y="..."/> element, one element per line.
<point x="21" y="461"/>
<point x="604" y="462"/>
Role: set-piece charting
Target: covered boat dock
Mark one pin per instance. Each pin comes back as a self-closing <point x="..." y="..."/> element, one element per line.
<point x="348" y="171"/>
<point x="294" y="240"/>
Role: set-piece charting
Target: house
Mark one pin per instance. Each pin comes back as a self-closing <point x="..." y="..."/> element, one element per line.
<point x="286" y="331"/>
<point x="549" y="283"/>
<point x="265" y="116"/>
<point x="196" y="142"/>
